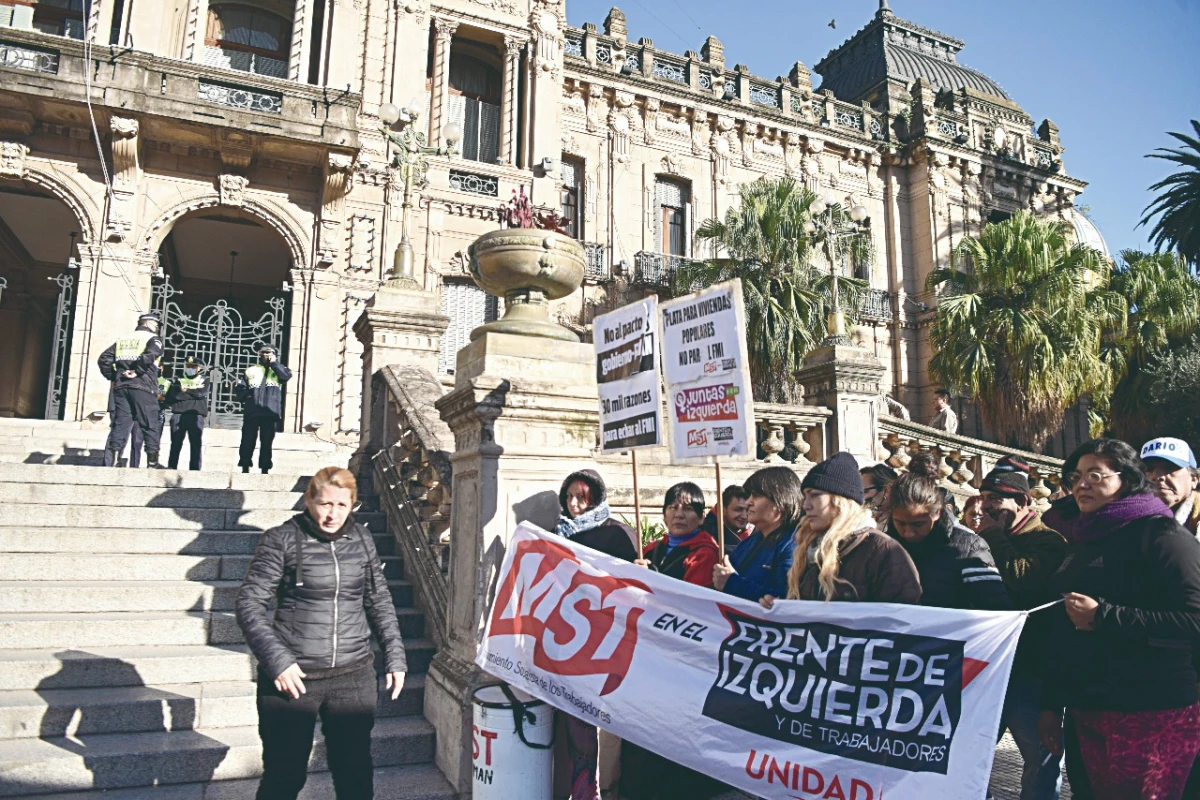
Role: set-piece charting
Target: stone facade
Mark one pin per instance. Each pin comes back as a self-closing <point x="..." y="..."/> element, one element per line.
<point x="636" y="145"/>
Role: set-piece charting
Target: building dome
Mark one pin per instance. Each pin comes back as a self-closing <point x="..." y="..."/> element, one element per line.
<point x="1089" y="235"/>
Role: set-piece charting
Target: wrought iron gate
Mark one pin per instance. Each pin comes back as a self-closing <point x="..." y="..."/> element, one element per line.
<point x="60" y="352"/>
<point x="221" y="340"/>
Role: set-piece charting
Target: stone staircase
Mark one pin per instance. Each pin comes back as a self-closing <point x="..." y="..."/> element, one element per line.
<point x="121" y="665"/>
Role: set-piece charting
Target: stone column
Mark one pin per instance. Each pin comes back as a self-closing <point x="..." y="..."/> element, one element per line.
<point x="398" y="326"/>
<point x="524" y="416"/>
<point x="195" y="30"/>
<point x="845" y="379"/>
<point x="508" y="101"/>
<point x="302" y="36"/>
<point x="439" y="101"/>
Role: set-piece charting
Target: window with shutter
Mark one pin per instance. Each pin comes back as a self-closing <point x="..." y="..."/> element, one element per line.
<point x="672" y="198"/>
<point x="572" y="196"/>
<point x="248" y="39"/>
<point x="468" y="307"/>
<point x="474" y="104"/>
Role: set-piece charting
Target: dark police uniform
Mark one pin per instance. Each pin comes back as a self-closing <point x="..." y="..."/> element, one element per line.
<point x="261" y="392"/>
<point x="135" y="399"/>
<point x="188" y="401"/>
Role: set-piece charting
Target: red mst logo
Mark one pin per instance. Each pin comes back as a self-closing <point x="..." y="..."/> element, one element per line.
<point x="581" y="624"/>
<point x="697" y="437"/>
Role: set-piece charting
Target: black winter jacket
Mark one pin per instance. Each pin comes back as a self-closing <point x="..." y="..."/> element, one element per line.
<point x="331" y="595"/>
<point x="1146" y="577"/>
<point x="145" y="363"/>
<point x="266" y="398"/>
<point x="956" y="568"/>
<point x="193" y="400"/>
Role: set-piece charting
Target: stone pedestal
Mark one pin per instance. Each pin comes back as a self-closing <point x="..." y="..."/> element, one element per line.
<point x="398" y="326"/>
<point x="845" y="379"/>
<point x="524" y="415"/>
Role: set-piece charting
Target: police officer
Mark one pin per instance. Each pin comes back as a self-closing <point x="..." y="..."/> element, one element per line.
<point x="132" y="363"/>
<point x="261" y="392"/>
<point x="188" y="401"/>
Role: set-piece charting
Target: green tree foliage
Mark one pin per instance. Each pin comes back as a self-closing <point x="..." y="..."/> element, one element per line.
<point x="763" y="241"/>
<point x="1162" y="301"/>
<point x="1019" y="328"/>
<point x="1173" y="384"/>
<point x="1177" y="205"/>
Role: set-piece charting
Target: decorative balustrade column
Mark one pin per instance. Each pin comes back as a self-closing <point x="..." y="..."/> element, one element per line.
<point x="440" y="94"/>
<point x="508" y="101"/>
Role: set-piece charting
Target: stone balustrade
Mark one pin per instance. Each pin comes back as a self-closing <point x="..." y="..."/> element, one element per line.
<point x="792" y="434"/>
<point x="963" y="461"/>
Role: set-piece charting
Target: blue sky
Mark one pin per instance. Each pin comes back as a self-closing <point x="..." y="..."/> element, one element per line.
<point x="1114" y="75"/>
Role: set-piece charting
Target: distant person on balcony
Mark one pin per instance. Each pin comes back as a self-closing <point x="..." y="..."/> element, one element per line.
<point x="945" y="419"/>
<point x="1171" y="468"/>
<point x="737" y="517"/>
<point x="261" y="392"/>
<point x="132" y="363"/>
<point x="886" y="406"/>
<point x="188" y="400"/>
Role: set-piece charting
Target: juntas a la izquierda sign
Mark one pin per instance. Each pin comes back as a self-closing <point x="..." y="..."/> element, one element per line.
<point x="859" y="701"/>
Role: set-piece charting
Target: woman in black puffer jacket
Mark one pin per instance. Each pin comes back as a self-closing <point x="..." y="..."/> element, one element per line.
<point x="315" y="656"/>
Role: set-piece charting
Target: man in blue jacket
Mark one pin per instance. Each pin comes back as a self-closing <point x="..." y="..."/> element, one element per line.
<point x="261" y="392"/>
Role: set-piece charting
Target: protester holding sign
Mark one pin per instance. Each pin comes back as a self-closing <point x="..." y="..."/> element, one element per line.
<point x="687" y="552"/>
<point x="955" y="565"/>
<point x="1119" y="656"/>
<point x="760" y="564"/>
<point x="837" y="557"/>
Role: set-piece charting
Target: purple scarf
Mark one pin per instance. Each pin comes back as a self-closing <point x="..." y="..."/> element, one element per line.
<point x="1079" y="528"/>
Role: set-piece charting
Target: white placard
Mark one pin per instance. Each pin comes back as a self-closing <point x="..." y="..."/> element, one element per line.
<point x="858" y="701"/>
<point x="627" y="377"/>
<point x="710" y="402"/>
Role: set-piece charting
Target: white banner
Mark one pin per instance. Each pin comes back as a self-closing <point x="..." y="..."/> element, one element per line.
<point x="627" y="377"/>
<point x="857" y="701"/>
<point x="710" y="402"/>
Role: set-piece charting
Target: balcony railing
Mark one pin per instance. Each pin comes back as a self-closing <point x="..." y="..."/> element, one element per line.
<point x="597" y="264"/>
<point x="876" y="306"/>
<point x="242" y="97"/>
<point x="657" y="269"/>
<point x="34" y="59"/>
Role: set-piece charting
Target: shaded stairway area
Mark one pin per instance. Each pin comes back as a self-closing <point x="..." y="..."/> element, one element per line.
<point x="121" y="665"/>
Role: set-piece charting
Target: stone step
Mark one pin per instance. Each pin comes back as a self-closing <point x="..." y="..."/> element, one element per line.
<point x="66" y="630"/>
<point x="99" y="597"/>
<point x="224" y="459"/>
<point x="43" y="713"/>
<point x="134" y="540"/>
<point x="20" y="431"/>
<point x="140" y="497"/>
<point x="60" y="475"/>
<point x="26" y="515"/>
<point x="130" y="568"/>
<point x="121" y="760"/>
<point x="418" y="782"/>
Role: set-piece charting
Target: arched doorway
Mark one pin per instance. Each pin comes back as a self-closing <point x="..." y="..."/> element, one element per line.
<point x="222" y="294"/>
<point x="39" y="272"/>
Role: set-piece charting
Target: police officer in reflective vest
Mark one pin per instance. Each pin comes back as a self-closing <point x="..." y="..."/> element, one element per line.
<point x="188" y="401"/>
<point x="261" y="393"/>
<point x="132" y="364"/>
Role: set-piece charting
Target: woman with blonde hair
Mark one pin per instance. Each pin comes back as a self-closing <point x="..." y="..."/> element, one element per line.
<point x="837" y="557"/>
<point x="314" y="653"/>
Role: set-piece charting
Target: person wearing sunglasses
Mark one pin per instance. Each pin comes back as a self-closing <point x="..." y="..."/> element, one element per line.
<point x="1117" y="655"/>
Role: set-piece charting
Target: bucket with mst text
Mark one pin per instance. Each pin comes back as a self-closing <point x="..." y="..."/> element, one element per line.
<point x="511" y="746"/>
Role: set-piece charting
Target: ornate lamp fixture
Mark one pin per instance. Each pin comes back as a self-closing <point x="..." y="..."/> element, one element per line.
<point x="825" y="229"/>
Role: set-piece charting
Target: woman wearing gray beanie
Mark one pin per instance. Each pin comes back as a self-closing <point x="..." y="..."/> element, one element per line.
<point x="837" y="557"/>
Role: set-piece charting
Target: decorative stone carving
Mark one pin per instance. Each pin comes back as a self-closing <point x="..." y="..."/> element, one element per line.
<point x="12" y="159"/>
<point x="232" y="190"/>
<point x="651" y="117"/>
<point x="768" y="147"/>
<point x="118" y="225"/>
<point x="414" y="9"/>
<point x="670" y="165"/>
<point x="675" y="125"/>
<point x="597" y="107"/>
<point x="339" y="177"/>
<point x="700" y="131"/>
<point x="548" y="42"/>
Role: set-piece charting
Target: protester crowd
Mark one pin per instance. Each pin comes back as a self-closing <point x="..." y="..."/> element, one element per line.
<point x="1105" y="673"/>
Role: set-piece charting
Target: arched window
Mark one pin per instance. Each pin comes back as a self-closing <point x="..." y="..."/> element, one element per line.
<point x="474" y="103"/>
<point x="248" y="39"/>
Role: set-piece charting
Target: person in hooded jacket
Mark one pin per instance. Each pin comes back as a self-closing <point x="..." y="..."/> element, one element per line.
<point x="686" y="552"/>
<point x="955" y="565"/>
<point x="587" y="520"/>
<point x="314" y="655"/>
<point x="188" y="400"/>
<point x="133" y="364"/>
<point x="261" y="391"/>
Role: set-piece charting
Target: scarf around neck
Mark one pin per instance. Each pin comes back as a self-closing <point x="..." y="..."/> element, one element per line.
<point x="1079" y="528"/>
<point x="592" y="518"/>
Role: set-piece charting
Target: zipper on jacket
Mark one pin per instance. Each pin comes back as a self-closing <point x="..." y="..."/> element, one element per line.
<point x="337" y="589"/>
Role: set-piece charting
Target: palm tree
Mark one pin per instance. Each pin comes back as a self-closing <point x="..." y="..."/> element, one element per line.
<point x="768" y="242"/>
<point x="1178" y="205"/>
<point x="1162" y="299"/>
<point x="1020" y="328"/>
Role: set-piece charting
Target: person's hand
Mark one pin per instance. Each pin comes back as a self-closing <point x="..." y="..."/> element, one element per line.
<point x="395" y="682"/>
<point x="289" y="681"/>
<point x="767" y="601"/>
<point x="1082" y="610"/>
<point x="128" y="374"/>
<point x="1050" y="728"/>
<point x="1000" y="521"/>
<point x="722" y="571"/>
<point x="642" y="562"/>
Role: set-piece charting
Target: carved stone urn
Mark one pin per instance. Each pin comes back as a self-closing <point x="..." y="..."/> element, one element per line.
<point x="528" y="267"/>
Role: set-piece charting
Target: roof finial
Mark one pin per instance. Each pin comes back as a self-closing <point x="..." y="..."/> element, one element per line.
<point x="884" y="8"/>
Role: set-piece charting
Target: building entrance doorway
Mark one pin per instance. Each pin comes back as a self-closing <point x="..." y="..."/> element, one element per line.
<point x="222" y="295"/>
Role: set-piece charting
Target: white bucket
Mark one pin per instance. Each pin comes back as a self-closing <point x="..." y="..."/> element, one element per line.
<point x="507" y="766"/>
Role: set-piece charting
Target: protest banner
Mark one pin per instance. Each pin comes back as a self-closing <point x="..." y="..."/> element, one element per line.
<point x="627" y="377"/>
<point x="711" y="407"/>
<point x="858" y="701"/>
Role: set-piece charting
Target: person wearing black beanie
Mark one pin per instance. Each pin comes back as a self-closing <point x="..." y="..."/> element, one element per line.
<point x="837" y="475"/>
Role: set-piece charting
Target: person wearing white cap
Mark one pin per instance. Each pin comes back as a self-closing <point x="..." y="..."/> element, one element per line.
<point x="1171" y="468"/>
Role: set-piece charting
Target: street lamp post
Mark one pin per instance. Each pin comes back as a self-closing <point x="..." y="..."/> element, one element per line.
<point x="411" y="159"/>
<point x="825" y="230"/>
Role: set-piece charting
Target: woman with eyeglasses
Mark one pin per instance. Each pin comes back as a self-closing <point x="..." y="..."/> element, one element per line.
<point x="1118" y="654"/>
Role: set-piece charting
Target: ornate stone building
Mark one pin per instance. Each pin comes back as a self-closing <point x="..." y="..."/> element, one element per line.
<point x="223" y="161"/>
